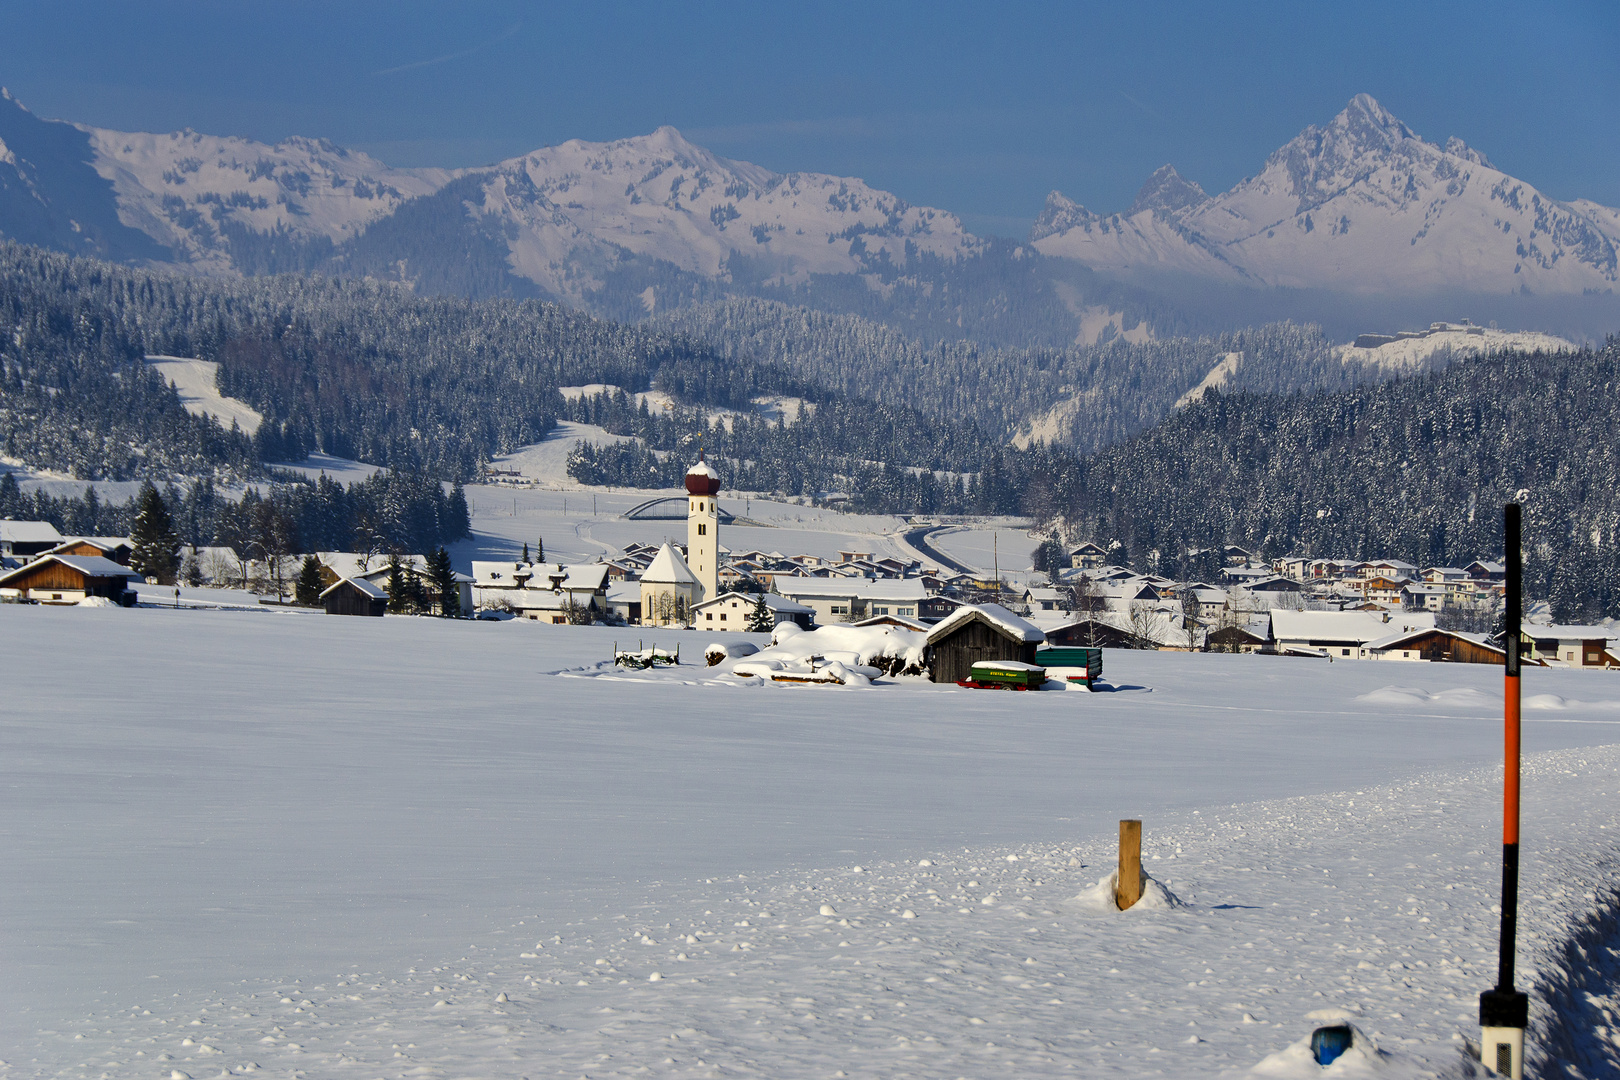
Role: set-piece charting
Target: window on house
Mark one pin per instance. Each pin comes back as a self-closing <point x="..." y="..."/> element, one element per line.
<point x="1344" y="652"/>
<point x="723" y="619"/>
<point x="880" y="611"/>
<point x="710" y="616"/>
<point x="703" y="530"/>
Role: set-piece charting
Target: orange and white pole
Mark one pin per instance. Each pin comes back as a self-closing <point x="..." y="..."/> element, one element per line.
<point x="1503" y="1011"/>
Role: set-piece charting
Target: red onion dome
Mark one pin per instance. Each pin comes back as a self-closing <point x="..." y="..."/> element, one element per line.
<point x="700" y="480"/>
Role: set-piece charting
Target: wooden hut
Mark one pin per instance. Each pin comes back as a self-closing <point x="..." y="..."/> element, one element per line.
<point x="116" y="548"/>
<point x="67" y="579"/>
<point x="1443" y="646"/>
<point x="1235" y="639"/>
<point x="975" y="632"/>
<point x="1094" y="633"/>
<point x="355" y="596"/>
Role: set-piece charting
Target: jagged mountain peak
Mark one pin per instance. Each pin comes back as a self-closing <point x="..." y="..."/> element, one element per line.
<point x="1167" y="190"/>
<point x="654" y="153"/>
<point x="1457" y="148"/>
<point x="1059" y="215"/>
<point x="1361" y="203"/>
<point x="1368" y="123"/>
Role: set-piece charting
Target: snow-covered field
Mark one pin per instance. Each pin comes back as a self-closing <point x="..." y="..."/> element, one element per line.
<point x="587" y="524"/>
<point x="1012" y="549"/>
<point x="197" y="383"/>
<point x="323" y="847"/>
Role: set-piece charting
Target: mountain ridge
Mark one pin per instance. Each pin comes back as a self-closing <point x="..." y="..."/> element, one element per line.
<point x="1363" y="204"/>
<point x="1359" y="209"/>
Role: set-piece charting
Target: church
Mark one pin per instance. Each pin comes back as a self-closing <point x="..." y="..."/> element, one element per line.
<point x="672" y="585"/>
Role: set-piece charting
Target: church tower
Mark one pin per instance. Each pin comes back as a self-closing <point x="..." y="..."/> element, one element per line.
<point x="703" y="529"/>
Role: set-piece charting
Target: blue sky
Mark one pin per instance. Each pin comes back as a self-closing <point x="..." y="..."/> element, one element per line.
<point x="977" y="108"/>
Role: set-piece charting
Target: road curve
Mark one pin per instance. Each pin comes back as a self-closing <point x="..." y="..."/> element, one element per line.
<point x="918" y="539"/>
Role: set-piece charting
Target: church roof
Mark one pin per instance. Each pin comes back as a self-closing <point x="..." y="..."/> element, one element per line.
<point x="668" y="568"/>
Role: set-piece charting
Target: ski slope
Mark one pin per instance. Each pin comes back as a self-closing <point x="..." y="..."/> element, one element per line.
<point x="317" y="847"/>
<point x="196" y="381"/>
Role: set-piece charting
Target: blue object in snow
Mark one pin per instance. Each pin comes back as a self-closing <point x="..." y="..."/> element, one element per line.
<point x="1327" y="1043"/>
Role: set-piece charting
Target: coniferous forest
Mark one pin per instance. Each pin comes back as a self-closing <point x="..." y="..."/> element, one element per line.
<point x="1294" y="452"/>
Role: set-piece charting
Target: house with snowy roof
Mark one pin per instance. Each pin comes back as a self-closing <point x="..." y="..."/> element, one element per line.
<point x="1570" y="645"/>
<point x="1044" y="599"/>
<point x="25" y="539"/>
<point x="116" y="548"/>
<point x="1088" y="556"/>
<point x="1438" y="646"/>
<point x="542" y="592"/>
<point x="1340" y="635"/>
<point x="67" y="579"/>
<point x="1386" y="568"/>
<point x="1422" y="596"/>
<point x="836" y="600"/>
<point x="731" y="611"/>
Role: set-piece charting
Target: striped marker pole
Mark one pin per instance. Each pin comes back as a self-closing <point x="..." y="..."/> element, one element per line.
<point x="1503" y="1011"/>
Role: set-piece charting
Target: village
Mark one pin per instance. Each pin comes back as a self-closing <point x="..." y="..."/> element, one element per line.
<point x="1310" y="608"/>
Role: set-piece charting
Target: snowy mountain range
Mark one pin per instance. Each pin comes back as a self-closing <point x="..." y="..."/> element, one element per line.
<point x="1362" y="205"/>
<point x="1360" y="208"/>
<point x="563" y="214"/>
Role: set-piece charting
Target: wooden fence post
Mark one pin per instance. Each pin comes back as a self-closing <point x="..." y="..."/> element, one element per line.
<point x="1128" y="886"/>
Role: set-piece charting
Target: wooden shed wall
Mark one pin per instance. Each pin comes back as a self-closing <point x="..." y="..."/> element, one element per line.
<point x="1444" y="647"/>
<point x="1100" y="634"/>
<point x="347" y="600"/>
<point x="955" y="654"/>
<point x="49" y="575"/>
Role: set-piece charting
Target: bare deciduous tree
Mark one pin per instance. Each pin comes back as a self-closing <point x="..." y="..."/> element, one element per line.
<point x="1148" y="624"/>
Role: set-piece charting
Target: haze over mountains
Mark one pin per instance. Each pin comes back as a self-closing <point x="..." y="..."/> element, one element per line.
<point x="1360" y="224"/>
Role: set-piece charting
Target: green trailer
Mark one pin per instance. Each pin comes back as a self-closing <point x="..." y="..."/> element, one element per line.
<point x="1004" y="675"/>
<point x="1072" y="664"/>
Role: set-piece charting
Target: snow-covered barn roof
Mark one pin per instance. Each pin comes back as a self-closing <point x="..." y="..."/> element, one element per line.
<point x="29" y="532"/>
<point x="995" y="615"/>
<point x="89" y="565"/>
<point x="360" y="584"/>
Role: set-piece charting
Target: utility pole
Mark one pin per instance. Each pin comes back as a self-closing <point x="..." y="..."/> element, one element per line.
<point x="1504" y="1011"/>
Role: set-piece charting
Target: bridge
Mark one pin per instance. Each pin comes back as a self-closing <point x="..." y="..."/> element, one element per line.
<point x="669" y="508"/>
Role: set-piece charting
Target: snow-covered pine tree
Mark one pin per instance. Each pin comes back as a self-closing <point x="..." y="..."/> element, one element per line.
<point x="398" y="594"/>
<point x="308" y="588"/>
<point x="761" y="620"/>
<point x="156" y="546"/>
<point x="442" y="577"/>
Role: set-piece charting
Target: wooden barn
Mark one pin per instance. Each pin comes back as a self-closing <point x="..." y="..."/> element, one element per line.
<point x="1441" y="646"/>
<point x="1235" y="639"/>
<point x="1095" y="633"/>
<point x="115" y="548"/>
<point x="355" y="596"/>
<point x="67" y="579"/>
<point x="975" y="632"/>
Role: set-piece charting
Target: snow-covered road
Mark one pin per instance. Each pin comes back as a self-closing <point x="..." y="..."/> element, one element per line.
<point x="206" y="812"/>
